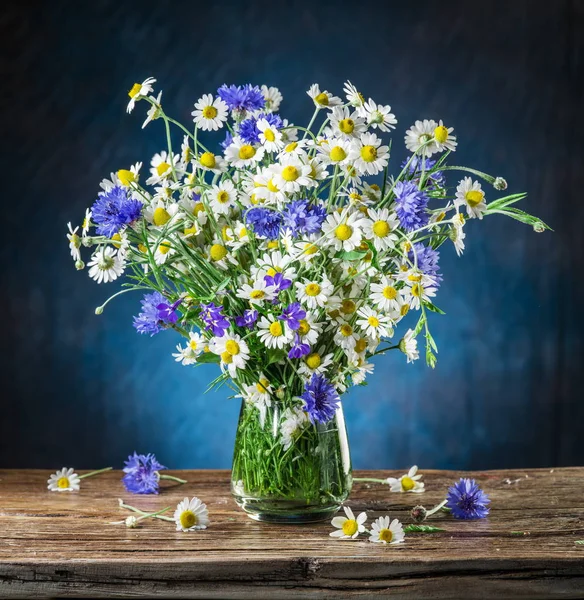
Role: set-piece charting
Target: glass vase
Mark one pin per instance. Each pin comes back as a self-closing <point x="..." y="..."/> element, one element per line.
<point x="286" y="469"/>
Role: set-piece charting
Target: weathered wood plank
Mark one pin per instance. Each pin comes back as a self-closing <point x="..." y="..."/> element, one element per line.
<point x="62" y="544"/>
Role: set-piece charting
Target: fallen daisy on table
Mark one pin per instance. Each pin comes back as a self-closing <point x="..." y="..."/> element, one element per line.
<point x="410" y="482"/>
<point x="66" y="480"/>
<point x="348" y="527"/>
<point x="385" y="532"/>
<point x="191" y="515"/>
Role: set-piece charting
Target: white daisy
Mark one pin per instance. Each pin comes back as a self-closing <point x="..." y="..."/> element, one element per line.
<point x="274" y="333"/>
<point x="289" y="133"/>
<point x="363" y="369"/>
<point x="161" y="167"/>
<point x="385" y="532"/>
<point x="374" y="323"/>
<point x="295" y="149"/>
<point x="163" y="252"/>
<point x="105" y="265"/>
<point x="241" y="154"/>
<point x="123" y="177"/>
<point x="409" y="346"/>
<point x="385" y="294"/>
<point x="336" y="152"/>
<point x="346" y="124"/>
<point x="291" y="423"/>
<point x="316" y="362"/>
<point x="270" y="137"/>
<point x="342" y="232"/>
<point x="309" y="329"/>
<point x="344" y="335"/>
<point x="420" y="287"/>
<point x="87" y="219"/>
<point x="354" y="97"/>
<point x="443" y="138"/>
<point x="457" y="233"/>
<point x="189" y="354"/>
<point x="154" y="110"/>
<point x="291" y="175"/>
<point x="323" y="99"/>
<point x="65" y="480"/>
<point x="314" y="293"/>
<point x="191" y="515"/>
<point x="368" y="154"/>
<point x="470" y="194"/>
<point x="272" y="263"/>
<point x="348" y="527"/>
<point x="262" y="187"/>
<point x="379" y="227"/>
<point x="420" y="137"/>
<point x="221" y="197"/>
<point x="259" y="395"/>
<point x="410" y="482"/>
<point x="273" y="97"/>
<point x="211" y="162"/>
<point x="74" y="242"/>
<point x="210" y="113"/>
<point x="378" y="115"/>
<point x="233" y="350"/>
<point x="258" y="293"/>
<point x="138" y="91"/>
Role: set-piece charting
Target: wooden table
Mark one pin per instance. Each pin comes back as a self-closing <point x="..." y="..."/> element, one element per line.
<point x="61" y="544"/>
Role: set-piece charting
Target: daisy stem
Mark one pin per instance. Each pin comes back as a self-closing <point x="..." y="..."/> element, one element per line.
<point x="436" y="508"/>
<point x="145" y="514"/>
<point x="310" y="124"/>
<point x="92" y="473"/>
<point x="172" y="477"/>
<point x="373" y="480"/>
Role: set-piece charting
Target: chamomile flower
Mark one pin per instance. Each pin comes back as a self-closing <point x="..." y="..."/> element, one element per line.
<point x="457" y="233"/>
<point x="409" y="346"/>
<point x="373" y="323"/>
<point x="336" y="152"/>
<point x="273" y="98"/>
<point x="410" y="482"/>
<point x="233" y="350"/>
<point x="87" y="219"/>
<point x="420" y="137"/>
<point x="210" y="113"/>
<point x="222" y="197"/>
<point x="139" y="91"/>
<point x="323" y="99"/>
<point x="291" y="175"/>
<point x="368" y="154"/>
<point x="74" y="242"/>
<point x="342" y="231"/>
<point x="258" y="293"/>
<point x="189" y="354"/>
<point x="364" y="368"/>
<point x="296" y="149"/>
<point x="378" y="115"/>
<point x="211" y="162"/>
<point x="191" y="515"/>
<point x="274" y="333"/>
<point x="344" y="335"/>
<point x="385" y="532"/>
<point x="353" y="95"/>
<point x="270" y="137"/>
<point x="470" y="194"/>
<point x="309" y="329"/>
<point x="346" y="124"/>
<point x="241" y="154"/>
<point x="348" y="527"/>
<point x="262" y="187"/>
<point x="385" y="294"/>
<point x="379" y="227"/>
<point x="314" y="293"/>
<point x="154" y="110"/>
<point x="259" y="395"/>
<point x="163" y="251"/>
<point x="315" y="362"/>
<point x="64" y="480"/>
<point x="106" y="265"/>
<point x="291" y="423"/>
<point x="161" y="167"/>
<point x="443" y="138"/>
<point x="272" y="263"/>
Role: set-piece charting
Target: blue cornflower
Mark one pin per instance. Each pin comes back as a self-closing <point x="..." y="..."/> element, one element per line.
<point x="427" y="261"/>
<point x="114" y="209"/>
<point x="278" y="282"/>
<point x="240" y="98"/>
<point x="156" y="313"/>
<point x="303" y="218"/>
<point x="299" y="349"/>
<point x="248" y="130"/>
<point x="265" y="222"/>
<point x="248" y="319"/>
<point x="214" y="318"/>
<point x="141" y="474"/>
<point x="320" y="399"/>
<point x="466" y="500"/>
<point x="415" y="171"/>
<point x="292" y="315"/>
<point x="411" y="205"/>
<point x="227" y="141"/>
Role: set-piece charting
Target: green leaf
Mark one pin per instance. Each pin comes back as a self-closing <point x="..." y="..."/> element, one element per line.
<point x="421" y="529"/>
<point x="275" y="356"/>
<point x="434" y="308"/>
<point x="208" y="357"/>
<point x="419" y="325"/>
<point x="521" y="533"/>
<point x="354" y="255"/>
<point x="579" y="542"/>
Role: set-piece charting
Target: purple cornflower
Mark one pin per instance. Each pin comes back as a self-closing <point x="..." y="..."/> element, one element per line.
<point x="292" y="315"/>
<point x="320" y="399"/>
<point x="427" y="261"/>
<point x="242" y="98"/>
<point x="303" y="218"/>
<point x="214" y="318"/>
<point x="248" y="319"/>
<point x="466" y="500"/>
<point x="156" y="313"/>
<point x="227" y="141"/>
<point x="411" y="205"/>
<point x="278" y="282"/>
<point x="265" y="222"/>
<point x="415" y="170"/>
<point x="114" y="209"/>
<point x="299" y="349"/>
<point x="141" y="474"/>
<point x="248" y="130"/>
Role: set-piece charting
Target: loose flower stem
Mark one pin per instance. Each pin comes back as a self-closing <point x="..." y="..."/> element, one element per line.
<point x="369" y="479"/>
<point x="145" y="514"/>
<point x="172" y="477"/>
<point x="95" y="472"/>
<point x="436" y="508"/>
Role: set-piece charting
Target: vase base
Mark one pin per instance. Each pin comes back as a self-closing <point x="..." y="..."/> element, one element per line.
<point x="288" y="515"/>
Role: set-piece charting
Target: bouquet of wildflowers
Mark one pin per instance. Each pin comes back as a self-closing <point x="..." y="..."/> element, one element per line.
<point x="287" y="255"/>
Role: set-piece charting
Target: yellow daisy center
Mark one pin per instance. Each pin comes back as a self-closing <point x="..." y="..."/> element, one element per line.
<point x="142" y="248"/>
<point x="246" y="152"/>
<point x="135" y="90"/>
<point x="272" y="187"/>
<point x="199" y="207"/>
<point x="313" y="361"/>
<point x="226" y="358"/>
<point x="290" y="173"/>
<point x="209" y="112"/>
<point x="232" y="347"/>
<point x="223" y="197"/>
<point x="208" y="160"/>
<point x="474" y="197"/>
<point x="338" y="154"/>
<point x="312" y="289"/>
<point x="322" y="99"/>
<point x="164" y="248"/>
<point x="350" y="527"/>
<point x="389" y="292"/>
<point x="373" y="321"/>
<point x="160" y="216"/>
<point x="360" y="345"/>
<point x="407" y="483"/>
<point x="257" y="294"/>
<point x="440" y="217"/>
<point x="193" y="345"/>
<point x="118" y="238"/>
<point x="269" y="135"/>
<point x="291" y="147"/>
<point x="272" y="244"/>
<point x="276" y="329"/>
<point x="218" y="252"/>
<point x="262" y="386"/>
<point x="310" y="249"/>
<point x="188" y="519"/>
<point x="386" y="535"/>
<point x="162" y="168"/>
<point x="416" y="290"/>
<point x="440" y="134"/>
<point x="348" y="307"/>
<point x="404" y="309"/>
<point x="304" y="327"/>
<point x="381" y="228"/>
<point x="346" y="330"/>
<point x="347" y="125"/>
<point x="343" y="232"/>
<point x="126" y="177"/>
<point x="63" y="483"/>
<point x="369" y="153"/>
<point x="273" y="270"/>
<point x="415" y="277"/>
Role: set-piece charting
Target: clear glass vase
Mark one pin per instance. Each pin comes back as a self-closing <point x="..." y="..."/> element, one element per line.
<point x="288" y="470"/>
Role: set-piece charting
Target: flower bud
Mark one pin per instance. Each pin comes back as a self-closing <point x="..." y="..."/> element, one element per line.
<point x="500" y="184"/>
<point x="132" y="522"/>
<point x="538" y="227"/>
<point x="79" y="265"/>
<point x="419" y="514"/>
<point x="99" y="310"/>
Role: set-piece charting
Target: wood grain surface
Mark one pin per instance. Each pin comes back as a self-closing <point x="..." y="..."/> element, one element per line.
<point x="62" y="544"/>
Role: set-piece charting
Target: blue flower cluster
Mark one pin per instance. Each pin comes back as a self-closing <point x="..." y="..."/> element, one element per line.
<point x="248" y="318"/>
<point x="242" y="98"/>
<point x="265" y="222"/>
<point x="156" y="314"/>
<point x="321" y="399"/>
<point x="141" y="474"/>
<point x="411" y="205"/>
<point x="427" y="260"/>
<point x="214" y="319"/>
<point x="114" y="209"/>
<point x="436" y="179"/>
<point x="303" y="218"/>
<point x="466" y="500"/>
<point x="248" y="130"/>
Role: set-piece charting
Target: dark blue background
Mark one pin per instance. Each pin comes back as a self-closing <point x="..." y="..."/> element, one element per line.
<point x="85" y="390"/>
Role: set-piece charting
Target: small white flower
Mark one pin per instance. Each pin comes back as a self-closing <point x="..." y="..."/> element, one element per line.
<point x="209" y="113"/>
<point x="379" y="227"/>
<point x="161" y="167"/>
<point x="368" y="154"/>
<point x="154" y="110"/>
<point x="344" y="233"/>
<point x="270" y="137"/>
<point x="457" y="233"/>
<point x="106" y="265"/>
<point x="323" y="99"/>
<point x="348" y="527"/>
<point x="274" y="333"/>
<point x="409" y="346"/>
<point x="259" y="395"/>
<point x="354" y="97"/>
<point x="297" y="149"/>
<point x="222" y="197"/>
<point x="410" y="482"/>
<point x="345" y="335"/>
<point x="131" y="522"/>
<point x="314" y="293"/>
<point x="378" y="116"/>
<point x="189" y="354"/>
<point x="346" y="124"/>
<point x="233" y="350"/>
<point x="420" y="136"/>
<point x="309" y="329"/>
<point x="191" y="515"/>
<point x="138" y="91"/>
<point x="385" y="532"/>
<point x="211" y="162"/>
<point x="74" y="242"/>
<point x="470" y="194"/>
<point x="316" y="362"/>
<point x="65" y="480"/>
<point x="291" y="175"/>
<point x="374" y="324"/>
<point x="385" y="295"/>
<point x="273" y="98"/>
<point x="258" y="293"/>
<point x="292" y="421"/>
<point x="335" y="152"/>
<point x="241" y="154"/>
<point x="443" y="138"/>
